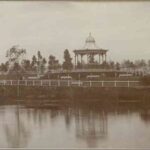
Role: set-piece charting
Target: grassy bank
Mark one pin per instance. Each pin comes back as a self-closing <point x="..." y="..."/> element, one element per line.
<point x="75" y="93"/>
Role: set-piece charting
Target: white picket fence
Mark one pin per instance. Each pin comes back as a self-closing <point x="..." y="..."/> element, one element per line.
<point x="69" y="83"/>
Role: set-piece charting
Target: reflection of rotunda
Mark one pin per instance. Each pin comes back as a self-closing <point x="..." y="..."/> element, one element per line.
<point x="91" y="127"/>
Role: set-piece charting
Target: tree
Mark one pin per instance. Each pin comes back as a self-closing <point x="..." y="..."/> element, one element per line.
<point x="67" y="64"/>
<point x="4" y="67"/>
<point x="43" y="63"/>
<point x="126" y="64"/>
<point x="112" y="64"/>
<point x="53" y="63"/>
<point x="39" y="62"/>
<point x="105" y="65"/>
<point x="117" y="65"/>
<point x="148" y="63"/>
<point x="140" y="63"/>
<point x="34" y="63"/>
<point x="17" y="68"/>
<point x="129" y="65"/>
<point x="39" y="55"/>
<point x="14" y="55"/>
<point x="26" y="64"/>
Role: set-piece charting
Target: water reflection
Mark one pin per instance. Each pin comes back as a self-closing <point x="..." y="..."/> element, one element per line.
<point x="91" y="126"/>
<point x="82" y="126"/>
<point x="16" y="134"/>
<point x="145" y="115"/>
<point x="68" y="115"/>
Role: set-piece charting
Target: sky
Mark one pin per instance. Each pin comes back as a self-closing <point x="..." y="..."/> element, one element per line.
<point x="53" y="26"/>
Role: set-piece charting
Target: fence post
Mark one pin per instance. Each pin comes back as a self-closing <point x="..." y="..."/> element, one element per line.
<point x="80" y="83"/>
<point x="128" y="84"/>
<point x="90" y="83"/>
<point x="68" y="83"/>
<point x="58" y="82"/>
<point x="4" y="82"/>
<point x="115" y="83"/>
<point x="50" y="83"/>
<point x="18" y="88"/>
<point x="102" y="83"/>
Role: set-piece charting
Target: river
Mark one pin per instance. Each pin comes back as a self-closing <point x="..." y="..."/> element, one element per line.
<point x="74" y="127"/>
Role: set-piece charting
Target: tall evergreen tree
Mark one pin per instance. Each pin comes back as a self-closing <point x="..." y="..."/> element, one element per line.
<point x="43" y="65"/>
<point x="41" y="62"/>
<point x="67" y="64"/>
<point x="34" y="63"/>
<point x="53" y="63"/>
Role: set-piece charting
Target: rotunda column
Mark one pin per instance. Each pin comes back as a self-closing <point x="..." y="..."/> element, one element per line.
<point x="75" y="61"/>
<point x="99" y="59"/>
<point x="102" y="58"/>
<point x="105" y="57"/>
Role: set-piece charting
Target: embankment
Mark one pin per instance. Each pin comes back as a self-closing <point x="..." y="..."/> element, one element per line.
<point x="76" y="93"/>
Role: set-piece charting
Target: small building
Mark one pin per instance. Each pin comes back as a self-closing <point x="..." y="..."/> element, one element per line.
<point x="90" y="61"/>
<point x="90" y="50"/>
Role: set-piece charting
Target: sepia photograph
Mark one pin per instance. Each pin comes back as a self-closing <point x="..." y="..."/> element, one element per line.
<point x="75" y="74"/>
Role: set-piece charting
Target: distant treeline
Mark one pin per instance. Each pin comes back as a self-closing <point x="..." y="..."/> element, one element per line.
<point x="16" y="63"/>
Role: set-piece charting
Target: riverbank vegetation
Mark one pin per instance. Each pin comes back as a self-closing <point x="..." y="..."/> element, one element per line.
<point x="17" y="64"/>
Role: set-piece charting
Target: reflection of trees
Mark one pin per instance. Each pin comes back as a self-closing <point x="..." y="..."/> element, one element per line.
<point x="91" y="126"/>
<point x="43" y="116"/>
<point x="16" y="136"/>
<point x="145" y="115"/>
<point x="68" y="117"/>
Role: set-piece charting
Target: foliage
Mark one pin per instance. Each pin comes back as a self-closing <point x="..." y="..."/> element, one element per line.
<point x="136" y="64"/>
<point x="14" y="54"/>
<point x="67" y="64"/>
<point x="112" y="64"/>
<point x="140" y="63"/>
<point x="4" y="67"/>
<point x="105" y="65"/>
<point x="117" y="65"/>
<point x="26" y="64"/>
<point x="34" y="63"/>
<point x="53" y="63"/>
<point x="41" y="62"/>
<point x="38" y="64"/>
<point x="128" y="64"/>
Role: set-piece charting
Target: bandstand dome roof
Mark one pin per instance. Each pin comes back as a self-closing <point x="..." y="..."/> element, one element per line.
<point x="90" y="43"/>
<point x="90" y="47"/>
<point x="90" y="39"/>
